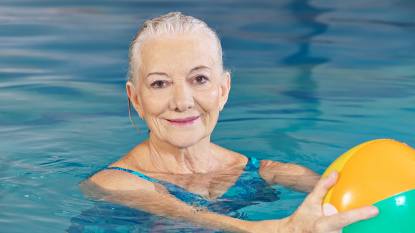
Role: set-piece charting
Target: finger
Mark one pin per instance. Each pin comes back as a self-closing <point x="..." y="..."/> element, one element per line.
<point x="340" y="220"/>
<point x="323" y="185"/>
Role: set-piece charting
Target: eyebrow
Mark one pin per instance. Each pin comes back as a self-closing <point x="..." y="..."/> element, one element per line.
<point x="193" y="69"/>
<point x="199" y="68"/>
<point x="156" y="73"/>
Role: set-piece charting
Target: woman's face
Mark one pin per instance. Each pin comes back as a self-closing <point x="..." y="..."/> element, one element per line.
<point x="181" y="88"/>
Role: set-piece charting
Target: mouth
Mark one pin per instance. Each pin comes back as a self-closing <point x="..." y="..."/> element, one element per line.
<point x="183" y="121"/>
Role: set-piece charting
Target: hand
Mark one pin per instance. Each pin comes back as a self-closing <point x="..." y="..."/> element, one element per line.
<point x="309" y="216"/>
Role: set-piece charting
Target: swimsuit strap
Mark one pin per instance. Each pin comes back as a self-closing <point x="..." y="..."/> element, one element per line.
<point x="133" y="172"/>
<point x="175" y="190"/>
<point x="251" y="165"/>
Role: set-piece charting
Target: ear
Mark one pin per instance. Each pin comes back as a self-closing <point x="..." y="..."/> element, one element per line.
<point x="225" y="88"/>
<point x="135" y="98"/>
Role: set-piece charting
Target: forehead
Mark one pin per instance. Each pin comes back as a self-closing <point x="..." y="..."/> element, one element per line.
<point x="178" y="53"/>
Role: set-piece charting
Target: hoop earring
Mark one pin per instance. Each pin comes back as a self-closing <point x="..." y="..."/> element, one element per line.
<point x="129" y="113"/>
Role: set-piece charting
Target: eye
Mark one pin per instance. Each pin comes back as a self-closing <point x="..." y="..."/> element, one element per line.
<point x="200" y="79"/>
<point x="158" y="84"/>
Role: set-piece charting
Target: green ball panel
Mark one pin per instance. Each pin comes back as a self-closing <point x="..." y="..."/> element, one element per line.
<point x="396" y="215"/>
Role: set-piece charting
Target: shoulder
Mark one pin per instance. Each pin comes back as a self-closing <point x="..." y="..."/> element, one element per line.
<point x="121" y="181"/>
<point x="110" y="183"/>
<point x="232" y="157"/>
<point x="118" y="180"/>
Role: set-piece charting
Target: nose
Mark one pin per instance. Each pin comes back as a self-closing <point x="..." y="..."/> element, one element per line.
<point x="182" y="98"/>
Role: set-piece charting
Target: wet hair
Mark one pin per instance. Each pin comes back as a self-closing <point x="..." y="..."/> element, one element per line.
<point x="168" y="25"/>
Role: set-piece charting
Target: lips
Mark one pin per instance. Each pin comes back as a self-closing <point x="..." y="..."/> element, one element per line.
<point x="183" y="121"/>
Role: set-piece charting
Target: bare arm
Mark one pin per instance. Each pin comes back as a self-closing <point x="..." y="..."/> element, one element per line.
<point x="292" y="176"/>
<point x="129" y="190"/>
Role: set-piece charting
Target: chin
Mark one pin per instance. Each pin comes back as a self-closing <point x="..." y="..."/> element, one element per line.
<point x="186" y="140"/>
<point x="184" y="143"/>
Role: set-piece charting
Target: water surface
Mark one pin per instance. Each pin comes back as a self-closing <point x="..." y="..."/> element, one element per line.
<point x="310" y="79"/>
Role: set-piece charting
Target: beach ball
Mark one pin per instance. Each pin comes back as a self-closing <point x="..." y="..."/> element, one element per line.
<point x="379" y="173"/>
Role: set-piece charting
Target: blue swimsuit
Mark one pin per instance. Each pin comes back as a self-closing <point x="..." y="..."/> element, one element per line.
<point x="250" y="189"/>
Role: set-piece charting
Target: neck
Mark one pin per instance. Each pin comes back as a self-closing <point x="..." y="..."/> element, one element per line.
<point x="199" y="158"/>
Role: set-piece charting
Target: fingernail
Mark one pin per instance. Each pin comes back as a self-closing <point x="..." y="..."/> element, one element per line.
<point x="332" y="174"/>
<point x="373" y="211"/>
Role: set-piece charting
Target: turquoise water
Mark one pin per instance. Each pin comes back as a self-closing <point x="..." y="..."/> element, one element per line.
<point x="311" y="79"/>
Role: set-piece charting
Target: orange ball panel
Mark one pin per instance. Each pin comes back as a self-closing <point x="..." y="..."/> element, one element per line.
<point x="378" y="170"/>
<point x="338" y="166"/>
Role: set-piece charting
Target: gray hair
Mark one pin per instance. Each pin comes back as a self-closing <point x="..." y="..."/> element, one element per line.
<point x="168" y="25"/>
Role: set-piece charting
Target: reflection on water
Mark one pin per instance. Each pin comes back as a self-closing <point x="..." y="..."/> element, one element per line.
<point x="310" y="80"/>
<point x="304" y="85"/>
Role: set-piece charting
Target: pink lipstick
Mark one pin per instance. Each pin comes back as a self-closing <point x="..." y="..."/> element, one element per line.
<point x="183" y="121"/>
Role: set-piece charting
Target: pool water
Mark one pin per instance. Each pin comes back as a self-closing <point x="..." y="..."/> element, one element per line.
<point x="310" y="79"/>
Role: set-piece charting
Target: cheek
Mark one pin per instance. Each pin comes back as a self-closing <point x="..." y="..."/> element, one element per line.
<point x="215" y="94"/>
<point x="153" y="104"/>
<point x="210" y="100"/>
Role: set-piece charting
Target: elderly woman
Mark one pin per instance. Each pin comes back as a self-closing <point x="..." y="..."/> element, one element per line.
<point x="177" y="83"/>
